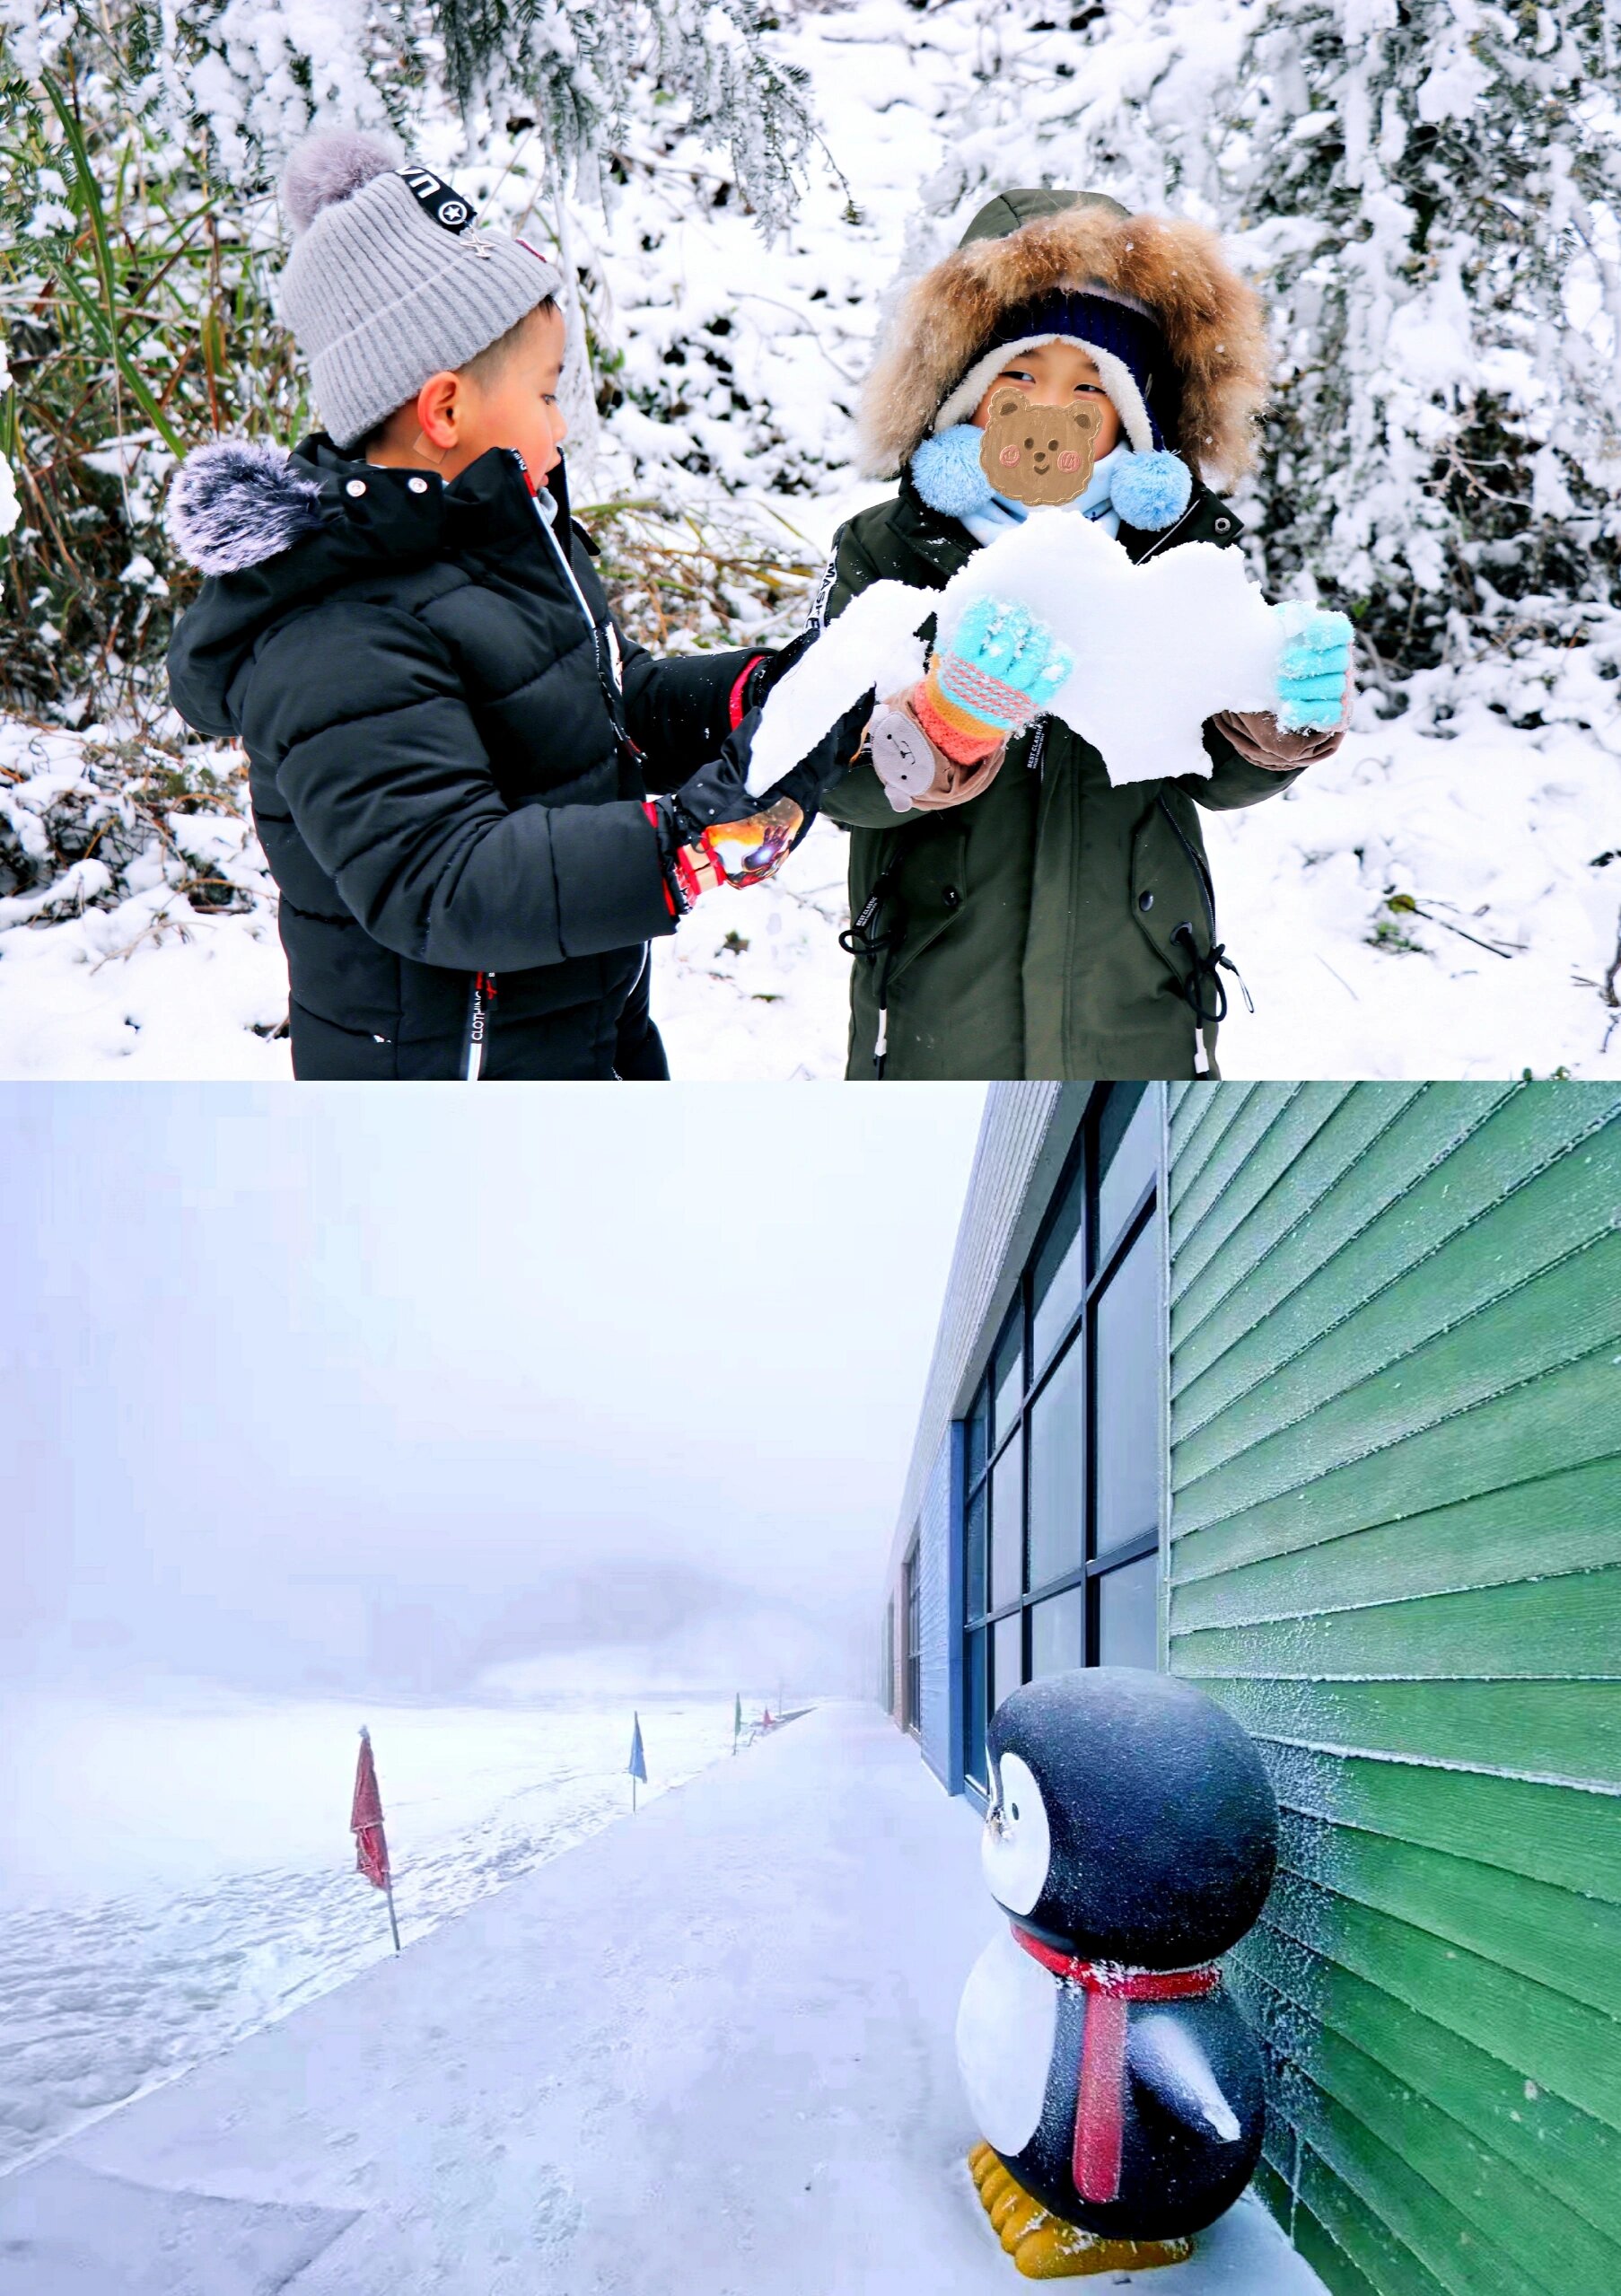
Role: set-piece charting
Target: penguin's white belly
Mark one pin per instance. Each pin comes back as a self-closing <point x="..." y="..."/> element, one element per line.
<point x="1005" y="2028"/>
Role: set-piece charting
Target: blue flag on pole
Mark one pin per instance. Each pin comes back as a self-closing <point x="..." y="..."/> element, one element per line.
<point x="638" y="1760"/>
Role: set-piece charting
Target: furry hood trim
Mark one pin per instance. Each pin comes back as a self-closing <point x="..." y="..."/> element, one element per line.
<point x="235" y="504"/>
<point x="1211" y="320"/>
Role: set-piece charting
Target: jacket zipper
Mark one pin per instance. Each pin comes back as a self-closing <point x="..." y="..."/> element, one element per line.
<point x="478" y="1028"/>
<point x="1206" y="885"/>
<point x="1169" y="536"/>
<point x="573" y="581"/>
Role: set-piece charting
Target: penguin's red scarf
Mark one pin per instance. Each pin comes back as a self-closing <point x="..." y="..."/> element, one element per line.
<point x="1101" y="2099"/>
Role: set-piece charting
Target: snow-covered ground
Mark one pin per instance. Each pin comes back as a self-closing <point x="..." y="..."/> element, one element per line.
<point x="708" y="2053"/>
<point x="1488" y="809"/>
<point x="1494" y="836"/>
<point x="175" y="1875"/>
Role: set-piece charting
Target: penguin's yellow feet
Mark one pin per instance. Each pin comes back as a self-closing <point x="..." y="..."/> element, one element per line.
<point x="1012" y="2210"/>
<point x="1053" y="2250"/>
<point x="1044" y="2247"/>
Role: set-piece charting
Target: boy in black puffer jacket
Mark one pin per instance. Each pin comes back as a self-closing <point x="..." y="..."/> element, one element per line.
<point x="451" y="747"/>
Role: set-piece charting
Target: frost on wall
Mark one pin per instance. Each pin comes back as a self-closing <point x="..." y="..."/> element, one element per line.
<point x="934" y="1557"/>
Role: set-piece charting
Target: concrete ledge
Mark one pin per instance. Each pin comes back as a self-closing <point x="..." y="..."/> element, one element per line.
<point x="708" y="2053"/>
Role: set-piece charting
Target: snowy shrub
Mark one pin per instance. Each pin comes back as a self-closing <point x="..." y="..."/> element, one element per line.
<point x="1429" y="192"/>
<point x="578" y="61"/>
<point x="1432" y="194"/>
<point x="140" y="237"/>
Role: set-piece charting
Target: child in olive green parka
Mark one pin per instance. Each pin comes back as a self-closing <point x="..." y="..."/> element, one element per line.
<point x="1024" y="919"/>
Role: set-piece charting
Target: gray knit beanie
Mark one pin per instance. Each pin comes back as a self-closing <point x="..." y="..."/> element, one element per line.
<point x="388" y="281"/>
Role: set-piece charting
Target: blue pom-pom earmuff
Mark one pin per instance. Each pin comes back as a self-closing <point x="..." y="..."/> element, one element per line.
<point x="946" y="472"/>
<point x="1150" y="491"/>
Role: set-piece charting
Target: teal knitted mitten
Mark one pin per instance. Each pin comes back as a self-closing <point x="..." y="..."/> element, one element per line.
<point x="1312" y="670"/>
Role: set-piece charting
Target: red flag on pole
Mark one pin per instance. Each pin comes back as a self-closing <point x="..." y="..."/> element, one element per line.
<point x="365" y="1823"/>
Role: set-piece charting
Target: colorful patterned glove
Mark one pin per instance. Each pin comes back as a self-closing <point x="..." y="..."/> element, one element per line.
<point x="999" y="673"/>
<point x="727" y="853"/>
<point x="1312" y="671"/>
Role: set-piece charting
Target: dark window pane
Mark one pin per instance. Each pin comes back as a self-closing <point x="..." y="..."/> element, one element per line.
<point x="1007" y="1656"/>
<point x="1059" y="1279"/>
<point x="1007" y="1376"/>
<point x="1127" y="1632"/>
<point x="1058" y="1634"/>
<point x="1058" y="1492"/>
<point x="976" y="1435"/>
<point x="973" y="1719"/>
<point x="1128" y="1155"/>
<point x="1007" y="1527"/>
<point x="973" y="1557"/>
<point x="1128" y="1350"/>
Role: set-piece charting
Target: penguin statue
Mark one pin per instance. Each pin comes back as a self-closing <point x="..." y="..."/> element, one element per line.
<point x="1131" y="1838"/>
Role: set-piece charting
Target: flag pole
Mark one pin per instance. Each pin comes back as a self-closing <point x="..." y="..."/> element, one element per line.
<point x="365" y="1820"/>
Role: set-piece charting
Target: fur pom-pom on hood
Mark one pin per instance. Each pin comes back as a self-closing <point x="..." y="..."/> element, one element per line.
<point x="235" y="505"/>
<point x="1211" y="320"/>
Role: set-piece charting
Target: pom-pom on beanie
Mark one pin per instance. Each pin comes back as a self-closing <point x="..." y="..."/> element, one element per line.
<point x="388" y="281"/>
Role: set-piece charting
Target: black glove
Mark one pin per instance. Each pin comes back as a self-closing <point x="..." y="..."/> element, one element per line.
<point x="718" y="791"/>
<point x="772" y="668"/>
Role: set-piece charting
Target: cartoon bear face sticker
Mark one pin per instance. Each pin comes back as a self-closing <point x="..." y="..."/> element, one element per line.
<point x="1039" y="454"/>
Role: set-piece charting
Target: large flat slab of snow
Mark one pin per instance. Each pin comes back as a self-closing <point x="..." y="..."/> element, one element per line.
<point x="708" y="2053"/>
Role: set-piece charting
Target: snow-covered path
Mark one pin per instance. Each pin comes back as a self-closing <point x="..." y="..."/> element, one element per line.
<point x="708" y="2053"/>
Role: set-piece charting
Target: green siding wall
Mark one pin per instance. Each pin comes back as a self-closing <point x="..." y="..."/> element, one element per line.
<point x="1396" y="1554"/>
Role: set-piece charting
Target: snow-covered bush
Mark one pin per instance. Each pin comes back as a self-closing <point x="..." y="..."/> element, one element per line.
<point x="140" y="237"/>
<point x="1429" y="191"/>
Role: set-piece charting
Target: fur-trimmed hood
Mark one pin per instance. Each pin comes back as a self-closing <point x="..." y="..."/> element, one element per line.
<point x="236" y="502"/>
<point x="1020" y="248"/>
<point x="277" y="531"/>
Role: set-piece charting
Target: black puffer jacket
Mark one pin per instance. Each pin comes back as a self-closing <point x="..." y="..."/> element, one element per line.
<point x="443" y="730"/>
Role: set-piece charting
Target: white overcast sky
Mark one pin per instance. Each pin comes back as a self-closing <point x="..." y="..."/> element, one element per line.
<point x="303" y="1387"/>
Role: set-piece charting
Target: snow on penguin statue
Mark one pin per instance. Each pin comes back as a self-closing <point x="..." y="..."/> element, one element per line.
<point x="1131" y="1838"/>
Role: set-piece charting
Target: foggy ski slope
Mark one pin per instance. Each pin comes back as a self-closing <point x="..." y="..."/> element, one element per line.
<point x="173" y="1878"/>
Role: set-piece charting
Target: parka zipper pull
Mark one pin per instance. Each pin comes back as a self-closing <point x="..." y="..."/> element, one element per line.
<point x="484" y="998"/>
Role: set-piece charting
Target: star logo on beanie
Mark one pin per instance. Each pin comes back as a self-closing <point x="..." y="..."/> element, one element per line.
<point x="437" y="198"/>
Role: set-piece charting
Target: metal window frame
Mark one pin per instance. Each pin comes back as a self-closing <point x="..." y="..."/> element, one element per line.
<point x="911" y="1594"/>
<point x="1152" y="1207"/>
<point x="1078" y="1329"/>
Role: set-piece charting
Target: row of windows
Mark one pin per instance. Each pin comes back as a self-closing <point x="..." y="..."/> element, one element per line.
<point x="1062" y="1442"/>
<point x="913" y="1717"/>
